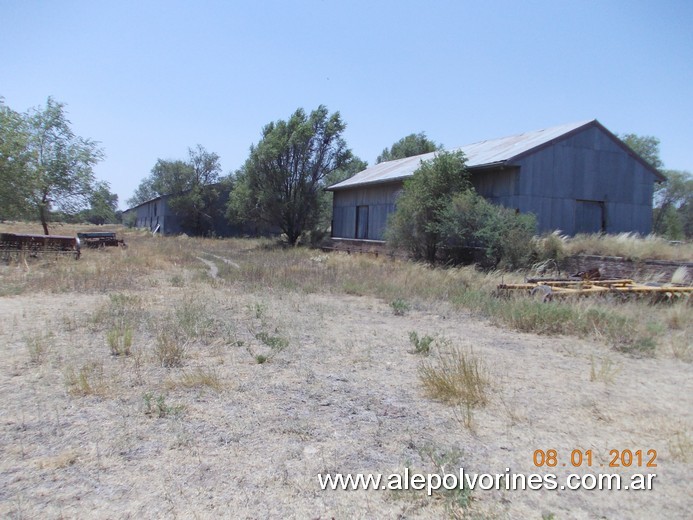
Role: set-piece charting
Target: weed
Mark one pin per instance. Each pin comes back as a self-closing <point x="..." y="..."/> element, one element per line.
<point x="38" y="345"/>
<point x="276" y="343"/>
<point x="399" y="307"/>
<point x="157" y="407"/>
<point x="89" y="379"/>
<point x="192" y="319"/>
<point x="640" y="347"/>
<point x="464" y="413"/>
<point x="261" y="359"/>
<point x="445" y="462"/>
<point x="681" y="347"/>
<point x="170" y="349"/>
<point x="456" y="376"/>
<point x="605" y="372"/>
<point x="177" y="281"/>
<point x="258" y="311"/>
<point x="119" y="340"/>
<point x="422" y="345"/>
<point x="201" y="377"/>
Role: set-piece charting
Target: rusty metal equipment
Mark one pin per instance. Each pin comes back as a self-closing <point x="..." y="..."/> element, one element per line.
<point x="549" y="289"/>
<point x="100" y="239"/>
<point x="35" y="245"/>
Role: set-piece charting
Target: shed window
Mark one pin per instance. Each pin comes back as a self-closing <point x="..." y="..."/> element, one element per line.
<point x="362" y="222"/>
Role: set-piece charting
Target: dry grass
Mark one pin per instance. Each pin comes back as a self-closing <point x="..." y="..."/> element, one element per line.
<point x="603" y="370"/>
<point x="628" y="245"/>
<point x="87" y="380"/>
<point x="156" y="428"/>
<point x="456" y="376"/>
<point x="198" y="377"/>
<point x="38" y="346"/>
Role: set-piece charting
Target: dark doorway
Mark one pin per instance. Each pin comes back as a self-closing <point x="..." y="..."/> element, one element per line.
<point x="362" y="222"/>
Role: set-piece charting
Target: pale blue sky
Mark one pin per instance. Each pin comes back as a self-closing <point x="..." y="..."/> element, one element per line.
<point x="148" y="79"/>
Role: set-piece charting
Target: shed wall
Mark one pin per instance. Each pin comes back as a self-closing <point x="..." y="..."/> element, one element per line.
<point x="558" y="183"/>
<point x="586" y="182"/>
<point x="380" y="201"/>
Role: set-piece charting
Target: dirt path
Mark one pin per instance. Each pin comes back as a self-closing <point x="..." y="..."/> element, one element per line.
<point x="213" y="269"/>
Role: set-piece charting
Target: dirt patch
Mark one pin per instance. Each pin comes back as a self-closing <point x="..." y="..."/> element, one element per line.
<point x="341" y="395"/>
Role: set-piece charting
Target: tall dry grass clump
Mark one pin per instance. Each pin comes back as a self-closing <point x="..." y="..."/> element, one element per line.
<point x="456" y="376"/>
<point x="629" y="245"/>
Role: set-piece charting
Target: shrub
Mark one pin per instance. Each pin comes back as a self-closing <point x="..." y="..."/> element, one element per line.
<point x="500" y="236"/>
<point x="422" y="345"/>
<point x="415" y="225"/>
<point x="399" y="307"/>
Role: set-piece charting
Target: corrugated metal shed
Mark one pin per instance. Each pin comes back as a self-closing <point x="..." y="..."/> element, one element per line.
<point x="577" y="178"/>
<point x="482" y="154"/>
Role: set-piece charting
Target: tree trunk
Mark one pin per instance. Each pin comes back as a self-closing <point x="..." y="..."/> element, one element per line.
<point x="43" y="216"/>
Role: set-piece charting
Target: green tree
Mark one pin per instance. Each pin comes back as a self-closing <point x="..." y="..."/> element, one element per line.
<point x="409" y="146"/>
<point x="60" y="164"/>
<point x="144" y="192"/>
<point x="197" y="202"/>
<point x="673" y="200"/>
<point x="192" y="185"/>
<point x="103" y="205"/>
<point x="646" y="146"/>
<point x="416" y="223"/>
<point x="15" y="186"/>
<point x="281" y="181"/>
<point x="44" y="167"/>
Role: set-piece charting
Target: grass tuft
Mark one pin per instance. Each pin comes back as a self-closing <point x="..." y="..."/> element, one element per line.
<point x="170" y="349"/>
<point x="119" y="341"/>
<point x="456" y="376"/>
<point x="200" y="377"/>
<point x="38" y="345"/>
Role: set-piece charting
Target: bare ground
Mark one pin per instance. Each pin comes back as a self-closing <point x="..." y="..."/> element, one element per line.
<point x="343" y="396"/>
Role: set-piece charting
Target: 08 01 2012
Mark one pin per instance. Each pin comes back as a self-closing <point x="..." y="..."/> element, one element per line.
<point x="577" y="458"/>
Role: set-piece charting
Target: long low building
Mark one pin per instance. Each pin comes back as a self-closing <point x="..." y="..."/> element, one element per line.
<point x="577" y="178"/>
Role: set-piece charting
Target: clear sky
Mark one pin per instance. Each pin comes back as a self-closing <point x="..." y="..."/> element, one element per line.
<point x="148" y="79"/>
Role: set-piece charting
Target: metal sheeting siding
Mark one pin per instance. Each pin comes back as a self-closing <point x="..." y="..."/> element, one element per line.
<point x="588" y="166"/>
<point x="380" y="201"/>
<point x="546" y="173"/>
<point x="478" y="154"/>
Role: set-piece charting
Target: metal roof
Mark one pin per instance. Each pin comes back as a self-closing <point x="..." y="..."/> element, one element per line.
<point x="483" y="153"/>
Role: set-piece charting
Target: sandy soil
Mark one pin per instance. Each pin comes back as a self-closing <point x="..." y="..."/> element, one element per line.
<point x="344" y="396"/>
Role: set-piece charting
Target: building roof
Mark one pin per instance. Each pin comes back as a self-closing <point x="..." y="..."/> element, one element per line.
<point x="479" y="155"/>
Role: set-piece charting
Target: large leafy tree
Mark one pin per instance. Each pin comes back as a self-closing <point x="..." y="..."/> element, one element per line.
<point x="416" y="224"/>
<point x="103" y="205"/>
<point x="646" y="146"/>
<point x="673" y="198"/>
<point x="49" y="167"/>
<point x="440" y="216"/>
<point x="409" y="146"/>
<point x="673" y="204"/>
<point x="192" y="184"/>
<point x="281" y="181"/>
<point x="15" y="185"/>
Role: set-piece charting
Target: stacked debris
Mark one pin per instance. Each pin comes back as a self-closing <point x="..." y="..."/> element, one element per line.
<point x="589" y="283"/>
